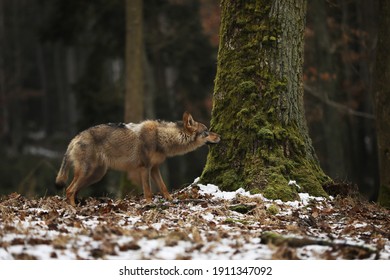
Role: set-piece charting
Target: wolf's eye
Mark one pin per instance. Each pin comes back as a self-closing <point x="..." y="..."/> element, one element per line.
<point x="205" y="133"/>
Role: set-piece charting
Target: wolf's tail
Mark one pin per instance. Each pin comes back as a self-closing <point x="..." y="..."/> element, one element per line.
<point x="62" y="175"/>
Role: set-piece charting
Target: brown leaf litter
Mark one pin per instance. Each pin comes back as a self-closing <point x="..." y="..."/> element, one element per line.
<point x="194" y="226"/>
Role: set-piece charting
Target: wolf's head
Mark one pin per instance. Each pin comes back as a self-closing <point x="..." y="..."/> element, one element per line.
<point x="200" y="131"/>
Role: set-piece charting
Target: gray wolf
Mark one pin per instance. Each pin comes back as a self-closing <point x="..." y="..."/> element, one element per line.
<point x="138" y="149"/>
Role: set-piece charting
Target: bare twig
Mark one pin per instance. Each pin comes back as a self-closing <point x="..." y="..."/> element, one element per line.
<point x="325" y="98"/>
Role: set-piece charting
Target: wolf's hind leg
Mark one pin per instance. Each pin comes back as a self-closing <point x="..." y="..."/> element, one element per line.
<point x="84" y="179"/>
<point x="145" y="179"/>
<point x="70" y="190"/>
<point x="156" y="175"/>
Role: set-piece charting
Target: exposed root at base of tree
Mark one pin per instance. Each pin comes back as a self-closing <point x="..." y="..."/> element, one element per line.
<point x="341" y="189"/>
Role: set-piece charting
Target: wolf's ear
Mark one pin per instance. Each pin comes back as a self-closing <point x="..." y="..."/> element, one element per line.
<point x="188" y="122"/>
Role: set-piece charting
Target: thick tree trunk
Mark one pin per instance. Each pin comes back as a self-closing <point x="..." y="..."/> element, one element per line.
<point x="258" y="102"/>
<point x="382" y="102"/>
<point x="134" y="105"/>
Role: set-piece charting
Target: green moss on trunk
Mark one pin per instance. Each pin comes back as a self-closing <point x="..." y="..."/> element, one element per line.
<point x="258" y="106"/>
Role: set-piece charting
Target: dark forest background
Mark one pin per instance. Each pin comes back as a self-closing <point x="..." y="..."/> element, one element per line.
<point x="62" y="70"/>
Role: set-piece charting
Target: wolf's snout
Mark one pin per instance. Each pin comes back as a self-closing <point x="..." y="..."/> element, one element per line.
<point x="213" y="138"/>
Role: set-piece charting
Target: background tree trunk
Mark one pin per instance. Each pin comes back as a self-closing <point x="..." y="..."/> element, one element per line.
<point x="338" y="71"/>
<point x="258" y="102"/>
<point x="4" y="118"/>
<point x="382" y="102"/>
<point x="134" y="85"/>
<point x="134" y="80"/>
<point x="334" y="131"/>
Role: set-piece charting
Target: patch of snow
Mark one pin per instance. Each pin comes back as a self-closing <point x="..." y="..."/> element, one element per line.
<point x="294" y="183"/>
<point x="311" y="251"/>
<point x="214" y="190"/>
<point x="172" y="252"/>
<point x="157" y="226"/>
<point x="360" y="225"/>
<point x="208" y="216"/>
<point x="294" y="204"/>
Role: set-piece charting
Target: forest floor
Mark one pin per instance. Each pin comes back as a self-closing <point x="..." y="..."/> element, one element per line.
<point x="201" y="223"/>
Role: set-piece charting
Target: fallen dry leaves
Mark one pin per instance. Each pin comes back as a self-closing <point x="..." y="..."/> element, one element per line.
<point x="194" y="226"/>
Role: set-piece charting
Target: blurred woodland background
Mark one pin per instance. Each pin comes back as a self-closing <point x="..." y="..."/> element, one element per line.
<point x="62" y="68"/>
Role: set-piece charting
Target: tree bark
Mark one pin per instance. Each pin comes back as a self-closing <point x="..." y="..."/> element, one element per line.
<point x="382" y="102"/>
<point x="258" y="102"/>
<point x="134" y="86"/>
<point x="134" y="79"/>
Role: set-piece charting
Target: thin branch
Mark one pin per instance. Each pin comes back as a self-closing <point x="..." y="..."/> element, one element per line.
<point x="325" y="98"/>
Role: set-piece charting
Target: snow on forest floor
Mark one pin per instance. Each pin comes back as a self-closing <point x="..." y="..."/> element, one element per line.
<point x="201" y="223"/>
